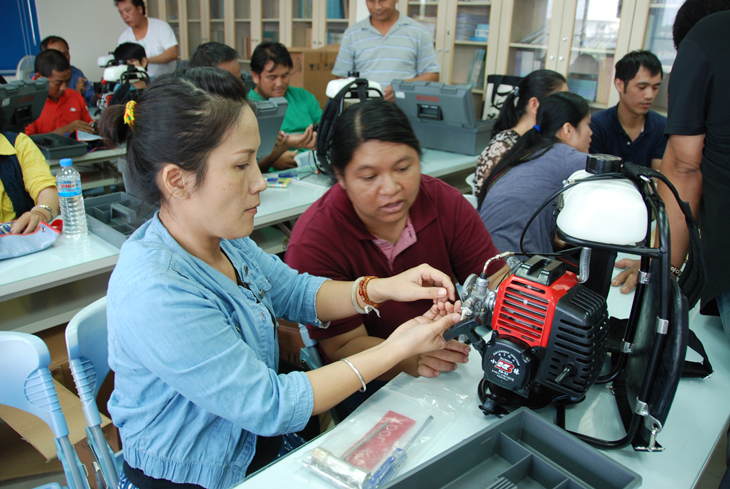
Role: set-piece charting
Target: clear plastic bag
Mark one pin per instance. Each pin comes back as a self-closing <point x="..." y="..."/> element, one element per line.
<point x="388" y="433"/>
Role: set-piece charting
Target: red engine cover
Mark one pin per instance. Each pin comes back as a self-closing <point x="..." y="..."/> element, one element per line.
<point x="524" y="309"/>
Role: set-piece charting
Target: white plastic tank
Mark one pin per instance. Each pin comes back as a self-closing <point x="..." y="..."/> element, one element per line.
<point x="605" y="211"/>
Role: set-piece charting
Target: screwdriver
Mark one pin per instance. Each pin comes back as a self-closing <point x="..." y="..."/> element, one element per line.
<point x="393" y="463"/>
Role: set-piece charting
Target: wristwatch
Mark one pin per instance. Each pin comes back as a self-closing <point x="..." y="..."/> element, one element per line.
<point x="675" y="271"/>
<point x="45" y="207"/>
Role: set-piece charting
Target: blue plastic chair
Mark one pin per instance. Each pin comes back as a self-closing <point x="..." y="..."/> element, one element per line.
<point x="311" y="360"/>
<point x="88" y="359"/>
<point x="26" y="384"/>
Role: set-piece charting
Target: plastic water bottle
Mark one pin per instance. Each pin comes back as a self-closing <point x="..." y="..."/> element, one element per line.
<point x="68" y="182"/>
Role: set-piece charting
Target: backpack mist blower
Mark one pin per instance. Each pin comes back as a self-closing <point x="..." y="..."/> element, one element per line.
<point x="551" y="331"/>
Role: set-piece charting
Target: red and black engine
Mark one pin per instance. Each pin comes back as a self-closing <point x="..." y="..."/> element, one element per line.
<point x="549" y="338"/>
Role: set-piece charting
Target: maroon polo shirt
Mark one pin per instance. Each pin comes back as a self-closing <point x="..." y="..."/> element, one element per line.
<point x="331" y="241"/>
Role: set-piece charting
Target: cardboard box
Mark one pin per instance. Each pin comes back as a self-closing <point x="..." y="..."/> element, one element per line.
<point x="27" y="445"/>
<point x="313" y="69"/>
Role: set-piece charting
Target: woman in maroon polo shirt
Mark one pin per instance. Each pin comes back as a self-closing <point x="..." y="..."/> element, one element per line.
<point x="382" y="217"/>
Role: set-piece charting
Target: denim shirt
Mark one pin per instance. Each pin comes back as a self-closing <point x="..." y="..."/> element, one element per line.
<point x="196" y="356"/>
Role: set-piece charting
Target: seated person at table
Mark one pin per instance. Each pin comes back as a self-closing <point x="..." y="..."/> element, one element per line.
<point x="630" y="130"/>
<point x="28" y="192"/>
<point x="78" y="80"/>
<point x="271" y="66"/>
<point x="516" y="117"/>
<point x="131" y="54"/>
<point x="381" y="218"/>
<point x="192" y="303"/>
<point x="532" y="171"/>
<point x="216" y="55"/>
<point x="65" y="111"/>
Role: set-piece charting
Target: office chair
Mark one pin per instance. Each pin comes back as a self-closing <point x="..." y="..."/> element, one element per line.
<point x="309" y="357"/>
<point x="88" y="358"/>
<point x="470" y="180"/>
<point x="26" y="384"/>
<point x="472" y="199"/>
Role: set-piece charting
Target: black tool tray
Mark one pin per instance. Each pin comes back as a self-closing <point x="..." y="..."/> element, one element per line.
<point x="520" y="451"/>
<point x="55" y="146"/>
<point x="114" y="217"/>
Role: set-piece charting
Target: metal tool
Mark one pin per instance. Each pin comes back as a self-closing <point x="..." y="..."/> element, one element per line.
<point x="369" y="437"/>
<point x="393" y="463"/>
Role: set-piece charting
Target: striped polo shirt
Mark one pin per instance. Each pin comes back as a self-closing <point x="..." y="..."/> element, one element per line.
<point x="405" y="52"/>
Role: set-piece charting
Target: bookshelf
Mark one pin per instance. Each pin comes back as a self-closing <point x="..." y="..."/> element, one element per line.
<point x="243" y="24"/>
<point x="581" y="39"/>
<point x="463" y="33"/>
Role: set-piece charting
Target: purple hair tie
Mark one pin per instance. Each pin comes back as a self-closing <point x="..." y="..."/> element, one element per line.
<point x="537" y="128"/>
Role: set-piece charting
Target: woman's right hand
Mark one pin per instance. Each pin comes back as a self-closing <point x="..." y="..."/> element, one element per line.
<point x="425" y="333"/>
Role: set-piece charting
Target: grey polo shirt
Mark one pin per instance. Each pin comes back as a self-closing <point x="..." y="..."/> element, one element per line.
<point x="405" y="52"/>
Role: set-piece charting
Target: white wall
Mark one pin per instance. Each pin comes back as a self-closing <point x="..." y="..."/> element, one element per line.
<point x="91" y="27"/>
<point x="362" y="10"/>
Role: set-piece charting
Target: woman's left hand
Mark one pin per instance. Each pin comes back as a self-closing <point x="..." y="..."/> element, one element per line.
<point x="421" y="282"/>
<point x="424" y="333"/>
<point x="27" y="223"/>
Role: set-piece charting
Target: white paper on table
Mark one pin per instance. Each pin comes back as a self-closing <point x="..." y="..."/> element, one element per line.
<point x="85" y="136"/>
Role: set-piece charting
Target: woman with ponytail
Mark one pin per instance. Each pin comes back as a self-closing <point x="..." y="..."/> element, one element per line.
<point x="516" y="117"/>
<point x="535" y="167"/>
<point x="192" y="305"/>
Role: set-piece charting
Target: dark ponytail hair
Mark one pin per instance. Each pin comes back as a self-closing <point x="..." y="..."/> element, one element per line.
<point x="539" y="84"/>
<point x="180" y="118"/>
<point x="553" y="113"/>
<point x="373" y="120"/>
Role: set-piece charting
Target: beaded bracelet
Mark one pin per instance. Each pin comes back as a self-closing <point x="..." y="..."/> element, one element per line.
<point x="363" y="291"/>
<point x="357" y="372"/>
<point x="353" y="291"/>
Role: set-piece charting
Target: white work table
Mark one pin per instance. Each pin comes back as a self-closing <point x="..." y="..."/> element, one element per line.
<point x="698" y="415"/>
<point x="47" y="288"/>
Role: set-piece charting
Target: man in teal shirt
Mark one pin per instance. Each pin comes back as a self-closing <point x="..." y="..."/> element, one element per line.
<point x="271" y="67"/>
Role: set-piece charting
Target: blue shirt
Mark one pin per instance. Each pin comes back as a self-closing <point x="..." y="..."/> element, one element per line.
<point x="516" y="195"/>
<point x="195" y="357"/>
<point x="89" y="92"/>
<point x="610" y="138"/>
<point x="405" y="52"/>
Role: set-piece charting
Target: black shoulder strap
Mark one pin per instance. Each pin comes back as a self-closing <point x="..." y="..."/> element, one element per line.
<point x="11" y="175"/>
<point x="692" y="279"/>
<point x="693" y="276"/>
<point x="695" y="369"/>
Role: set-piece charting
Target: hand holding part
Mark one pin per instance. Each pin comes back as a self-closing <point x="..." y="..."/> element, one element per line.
<point x="421" y="282"/>
<point x="422" y="334"/>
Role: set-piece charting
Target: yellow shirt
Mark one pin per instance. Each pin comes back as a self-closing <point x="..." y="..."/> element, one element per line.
<point x="36" y="172"/>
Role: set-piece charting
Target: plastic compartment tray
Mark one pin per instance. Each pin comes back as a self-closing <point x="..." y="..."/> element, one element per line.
<point x="55" y="146"/>
<point x="114" y="217"/>
<point x="520" y="451"/>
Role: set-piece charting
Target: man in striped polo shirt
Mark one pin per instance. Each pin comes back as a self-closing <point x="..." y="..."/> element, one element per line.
<point x="387" y="46"/>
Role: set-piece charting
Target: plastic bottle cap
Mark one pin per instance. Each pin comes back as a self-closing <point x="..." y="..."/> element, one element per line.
<point x="66" y="162"/>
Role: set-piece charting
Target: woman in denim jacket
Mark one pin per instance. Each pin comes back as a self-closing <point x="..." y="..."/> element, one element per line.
<point x="192" y="303"/>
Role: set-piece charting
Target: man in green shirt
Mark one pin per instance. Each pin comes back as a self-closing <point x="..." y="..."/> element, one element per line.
<point x="271" y="67"/>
